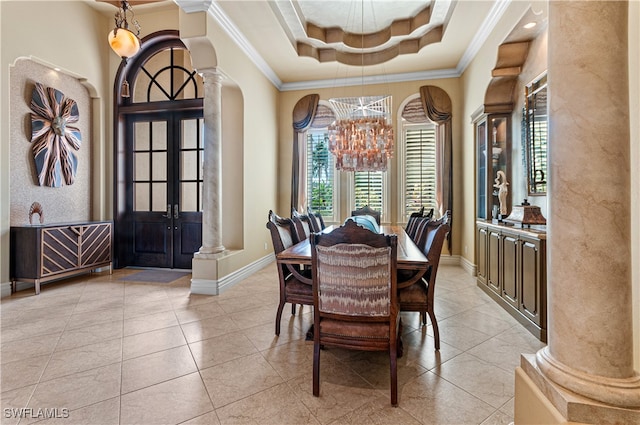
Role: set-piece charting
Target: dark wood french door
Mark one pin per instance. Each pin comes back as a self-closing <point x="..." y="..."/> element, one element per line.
<point x="164" y="188"/>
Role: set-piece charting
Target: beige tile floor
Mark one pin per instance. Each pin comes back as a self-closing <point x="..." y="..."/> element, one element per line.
<point x="98" y="350"/>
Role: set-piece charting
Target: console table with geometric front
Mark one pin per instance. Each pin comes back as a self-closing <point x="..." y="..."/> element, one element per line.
<point x="42" y="253"/>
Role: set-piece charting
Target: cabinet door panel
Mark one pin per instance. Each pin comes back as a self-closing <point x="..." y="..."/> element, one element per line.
<point x="95" y="247"/>
<point x="510" y="270"/>
<point x="494" y="255"/>
<point x="482" y="255"/>
<point x="531" y="281"/>
<point x="59" y="250"/>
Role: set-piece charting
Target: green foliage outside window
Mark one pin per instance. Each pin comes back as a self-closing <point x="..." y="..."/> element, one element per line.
<point x="320" y="166"/>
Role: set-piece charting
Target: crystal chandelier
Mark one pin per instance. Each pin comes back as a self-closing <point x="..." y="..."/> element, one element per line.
<point x="362" y="140"/>
<point x="362" y="144"/>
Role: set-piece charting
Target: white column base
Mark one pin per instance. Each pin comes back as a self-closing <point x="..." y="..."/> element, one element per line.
<point x="209" y="252"/>
<point x="537" y="395"/>
<point x="205" y="272"/>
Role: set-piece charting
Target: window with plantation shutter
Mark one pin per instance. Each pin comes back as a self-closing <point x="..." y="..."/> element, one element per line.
<point x="368" y="189"/>
<point x="420" y="169"/>
<point x="417" y="158"/>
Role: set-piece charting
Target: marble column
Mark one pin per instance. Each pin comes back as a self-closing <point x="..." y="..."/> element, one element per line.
<point x="212" y="167"/>
<point x="590" y="335"/>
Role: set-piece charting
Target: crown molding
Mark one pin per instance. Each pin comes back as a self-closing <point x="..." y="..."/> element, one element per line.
<point x="211" y="7"/>
<point x="371" y="80"/>
<point x="489" y="23"/>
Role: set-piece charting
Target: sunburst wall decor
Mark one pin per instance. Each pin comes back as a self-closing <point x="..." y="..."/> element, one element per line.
<point x="53" y="137"/>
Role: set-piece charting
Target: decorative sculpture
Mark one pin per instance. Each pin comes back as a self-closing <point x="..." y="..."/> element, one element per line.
<point x="501" y="184"/>
<point x="52" y="136"/>
<point x="36" y="208"/>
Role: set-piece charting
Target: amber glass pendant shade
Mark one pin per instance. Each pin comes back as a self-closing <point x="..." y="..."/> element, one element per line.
<point x="125" y="43"/>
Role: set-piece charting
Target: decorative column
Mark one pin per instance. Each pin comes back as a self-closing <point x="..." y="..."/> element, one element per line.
<point x="590" y="334"/>
<point x="212" y="167"/>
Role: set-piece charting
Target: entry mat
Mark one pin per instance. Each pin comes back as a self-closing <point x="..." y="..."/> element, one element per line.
<point x="155" y="276"/>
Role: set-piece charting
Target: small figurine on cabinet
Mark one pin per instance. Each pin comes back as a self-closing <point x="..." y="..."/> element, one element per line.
<point x="502" y="184"/>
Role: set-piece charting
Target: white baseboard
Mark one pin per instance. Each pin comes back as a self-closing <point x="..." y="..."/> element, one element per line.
<point x="216" y="287"/>
<point x="5" y="289"/>
<point x="470" y="267"/>
<point x="456" y="260"/>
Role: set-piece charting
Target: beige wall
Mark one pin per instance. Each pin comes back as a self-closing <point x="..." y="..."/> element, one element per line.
<point x="59" y="204"/>
<point x="79" y="50"/>
<point x="474" y="82"/>
<point x="259" y="122"/>
<point x="535" y="65"/>
<point x="400" y="92"/>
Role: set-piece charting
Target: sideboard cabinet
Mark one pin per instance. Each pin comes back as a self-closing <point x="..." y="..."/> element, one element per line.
<point x="41" y="253"/>
<point x="512" y="270"/>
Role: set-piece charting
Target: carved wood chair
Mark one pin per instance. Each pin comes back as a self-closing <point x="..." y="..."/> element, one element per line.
<point x="317" y="222"/>
<point x="367" y="210"/>
<point x="355" y="302"/>
<point x="420" y="295"/>
<point x="295" y="284"/>
<point x="303" y="226"/>
<point x="411" y="223"/>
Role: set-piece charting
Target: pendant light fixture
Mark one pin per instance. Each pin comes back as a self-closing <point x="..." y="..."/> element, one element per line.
<point x="361" y="138"/>
<point x="123" y="40"/>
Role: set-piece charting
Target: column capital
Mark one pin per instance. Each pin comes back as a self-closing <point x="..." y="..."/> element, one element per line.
<point x="211" y="74"/>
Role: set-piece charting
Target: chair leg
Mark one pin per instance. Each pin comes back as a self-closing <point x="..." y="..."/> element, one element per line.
<point x="423" y="317"/>
<point x="316" y="369"/>
<point x="279" y="316"/>
<point x="293" y="309"/>
<point x="436" y="333"/>
<point x="394" y="376"/>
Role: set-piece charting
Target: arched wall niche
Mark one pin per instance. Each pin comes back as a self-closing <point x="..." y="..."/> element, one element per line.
<point x="69" y="202"/>
<point x="203" y="57"/>
<point x="501" y="92"/>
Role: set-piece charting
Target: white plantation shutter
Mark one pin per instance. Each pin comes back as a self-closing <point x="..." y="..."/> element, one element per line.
<point x="368" y="189"/>
<point x="419" y="168"/>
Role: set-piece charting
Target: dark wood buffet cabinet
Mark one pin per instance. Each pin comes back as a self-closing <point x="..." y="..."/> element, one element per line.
<point x="41" y="253"/>
<point x="512" y="270"/>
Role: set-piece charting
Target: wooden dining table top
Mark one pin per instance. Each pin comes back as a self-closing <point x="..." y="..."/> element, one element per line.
<point x="410" y="257"/>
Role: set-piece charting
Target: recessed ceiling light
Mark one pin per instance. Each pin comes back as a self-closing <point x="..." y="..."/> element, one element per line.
<point x="530" y="25"/>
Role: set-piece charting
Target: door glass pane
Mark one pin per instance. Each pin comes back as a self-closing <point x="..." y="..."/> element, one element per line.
<point x="159" y="197"/>
<point x="141" y="197"/>
<point x="141" y="166"/>
<point x="159" y="166"/>
<point x="189" y="196"/>
<point x="141" y="136"/>
<point x="159" y="135"/>
<point x="200" y="195"/>
<point x="190" y="134"/>
<point x="189" y="165"/>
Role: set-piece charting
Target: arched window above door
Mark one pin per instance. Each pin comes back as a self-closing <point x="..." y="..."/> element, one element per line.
<point x="161" y="71"/>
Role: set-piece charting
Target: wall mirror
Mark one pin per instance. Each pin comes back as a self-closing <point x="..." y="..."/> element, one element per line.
<point x="535" y="135"/>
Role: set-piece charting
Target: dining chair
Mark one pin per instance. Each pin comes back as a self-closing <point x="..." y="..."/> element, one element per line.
<point x="295" y="283"/>
<point x="355" y="302"/>
<point x="411" y="223"/>
<point x="302" y="223"/>
<point x="317" y="222"/>
<point x="419" y="296"/>
<point x="367" y="210"/>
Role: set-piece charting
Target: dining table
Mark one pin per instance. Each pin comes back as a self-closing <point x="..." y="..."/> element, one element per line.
<point x="410" y="257"/>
